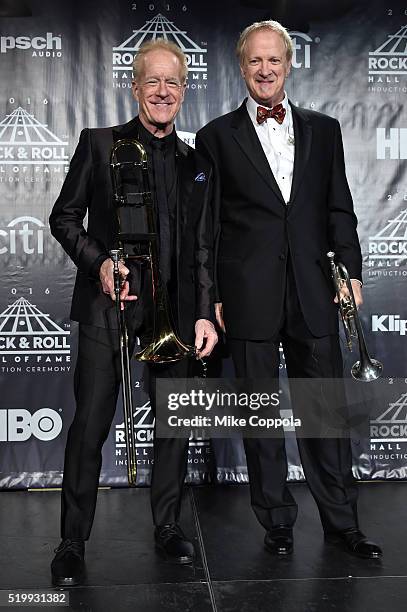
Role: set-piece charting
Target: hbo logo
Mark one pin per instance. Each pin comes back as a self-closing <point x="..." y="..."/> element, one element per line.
<point x="18" y="425"/>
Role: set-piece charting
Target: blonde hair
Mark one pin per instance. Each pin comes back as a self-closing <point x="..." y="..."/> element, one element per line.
<point x="272" y="26"/>
<point x="154" y="45"/>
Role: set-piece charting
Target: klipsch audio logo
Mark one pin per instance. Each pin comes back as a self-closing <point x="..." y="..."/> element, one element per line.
<point x="18" y="424"/>
<point x="302" y="49"/>
<point x="388" y="248"/>
<point x="159" y="27"/>
<point x="388" y="64"/>
<point x="389" y="323"/>
<point x="31" y="340"/>
<point x="48" y="45"/>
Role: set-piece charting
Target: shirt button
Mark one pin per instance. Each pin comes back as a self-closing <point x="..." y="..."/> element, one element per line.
<point x="281" y="256"/>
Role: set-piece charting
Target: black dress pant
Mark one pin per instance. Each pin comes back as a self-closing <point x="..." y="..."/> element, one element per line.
<point x="96" y="385"/>
<point x="327" y="462"/>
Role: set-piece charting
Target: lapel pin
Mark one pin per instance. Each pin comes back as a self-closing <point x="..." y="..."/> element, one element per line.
<point x="200" y="178"/>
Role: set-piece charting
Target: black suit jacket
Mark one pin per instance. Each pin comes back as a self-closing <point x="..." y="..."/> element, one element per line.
<point x="88" y="190"/>
<point x="256" y="231"/>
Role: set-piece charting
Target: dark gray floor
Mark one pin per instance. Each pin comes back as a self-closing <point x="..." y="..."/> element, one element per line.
<point x="232" y="573"/>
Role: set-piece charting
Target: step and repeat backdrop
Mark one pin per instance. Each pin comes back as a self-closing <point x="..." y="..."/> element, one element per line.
<point x="67" y="65"/>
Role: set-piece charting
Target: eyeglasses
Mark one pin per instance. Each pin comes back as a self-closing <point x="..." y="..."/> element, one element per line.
<point x="154" y="83"/>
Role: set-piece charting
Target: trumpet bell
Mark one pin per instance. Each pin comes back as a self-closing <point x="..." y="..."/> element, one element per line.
<point x="367" y="372"/>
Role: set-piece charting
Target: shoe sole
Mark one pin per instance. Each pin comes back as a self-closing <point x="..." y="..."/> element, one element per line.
<point x="340" y="544"/>
<point x="279" y="553"/>
<point x="57" y="581"/>
<point x="174" y="560"/>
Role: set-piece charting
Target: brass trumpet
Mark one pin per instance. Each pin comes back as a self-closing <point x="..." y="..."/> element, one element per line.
<point x="365" y="369"/>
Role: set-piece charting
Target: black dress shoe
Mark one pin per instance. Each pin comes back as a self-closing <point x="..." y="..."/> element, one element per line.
<point x="279" y="540"/>
<point x="68" y="565"/>
<point x="355" y="542"/>
<point x="173" y="545"/>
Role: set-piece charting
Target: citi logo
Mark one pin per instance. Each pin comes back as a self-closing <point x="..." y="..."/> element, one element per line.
<point x="391" y="144"/>
<point x="19" y="236"/>
<point x="389" y="323"/>
<point x="38" y="43"/>
<point x="18" y="425"/>
<point x="301" y="49"/>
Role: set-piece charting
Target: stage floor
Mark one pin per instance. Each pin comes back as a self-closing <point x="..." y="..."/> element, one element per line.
<point x="233" y="571"/>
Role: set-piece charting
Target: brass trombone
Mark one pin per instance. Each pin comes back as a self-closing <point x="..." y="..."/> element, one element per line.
<point x="164" y="346"/>
<point x="365" y="369"/>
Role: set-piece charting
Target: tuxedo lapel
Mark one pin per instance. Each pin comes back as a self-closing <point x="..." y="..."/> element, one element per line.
<point x="245" y="135"/>
<point x="303" y="140"/>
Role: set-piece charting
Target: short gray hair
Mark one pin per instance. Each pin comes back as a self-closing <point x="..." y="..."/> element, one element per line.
<point x="165" y="45"/>
<point x="272" y="26"/>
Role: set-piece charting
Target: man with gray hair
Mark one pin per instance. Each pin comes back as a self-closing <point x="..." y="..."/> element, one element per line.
<point x="281" y="202"/>
<point x="180" y="182"/>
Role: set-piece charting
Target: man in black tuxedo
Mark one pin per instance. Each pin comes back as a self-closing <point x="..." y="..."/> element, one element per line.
<point x="180" y="181"/>
<point x="281" y="202"/>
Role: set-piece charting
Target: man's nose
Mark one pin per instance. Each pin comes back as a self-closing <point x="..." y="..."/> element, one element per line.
<point x="162" y="88"/>
<point x="265" y="68"/>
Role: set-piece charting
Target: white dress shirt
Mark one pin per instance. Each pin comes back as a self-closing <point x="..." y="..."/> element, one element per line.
<point x="278" y="145"/>
<point x="277" y="142"/>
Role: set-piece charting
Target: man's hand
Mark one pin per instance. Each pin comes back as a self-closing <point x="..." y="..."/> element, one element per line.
<point x="205" y="337"/>
<point x="357" y="292"/>
<point x="219" y="316"/>
<point x="106" y="278"/>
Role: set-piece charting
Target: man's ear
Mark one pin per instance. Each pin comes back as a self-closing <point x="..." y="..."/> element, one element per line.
<point x="134" y="90"/>
<point x="288" y="68"/>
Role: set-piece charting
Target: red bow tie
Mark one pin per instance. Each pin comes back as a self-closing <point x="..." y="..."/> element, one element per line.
<point x="277" y="113"/>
